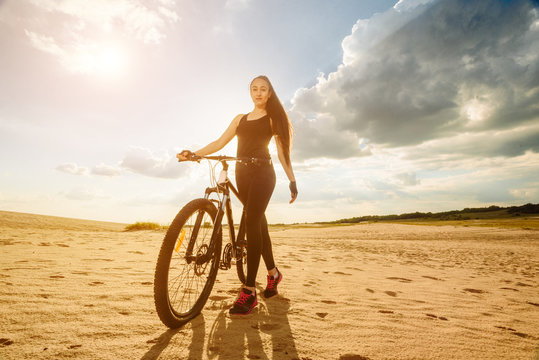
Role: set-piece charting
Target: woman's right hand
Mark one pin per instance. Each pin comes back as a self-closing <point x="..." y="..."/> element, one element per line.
<point x="184" y="155"/>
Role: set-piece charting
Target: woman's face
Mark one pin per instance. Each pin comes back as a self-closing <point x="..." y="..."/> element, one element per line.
<point x="260" y="92"/>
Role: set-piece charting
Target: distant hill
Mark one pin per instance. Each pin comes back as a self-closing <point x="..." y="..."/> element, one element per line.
<point x="491" y="212"/>
<point x="17" y="220"/>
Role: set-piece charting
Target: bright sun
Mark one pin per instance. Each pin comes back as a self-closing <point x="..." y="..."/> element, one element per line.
<point x="110" y="61"/>
<point x="105" y="60"/>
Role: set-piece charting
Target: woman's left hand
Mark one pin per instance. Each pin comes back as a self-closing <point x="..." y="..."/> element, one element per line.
<point x="293" y="191"/>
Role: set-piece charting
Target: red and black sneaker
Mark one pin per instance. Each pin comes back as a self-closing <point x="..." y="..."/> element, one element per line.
<point x="271" y="288"/>
<point x="245" y="303"/>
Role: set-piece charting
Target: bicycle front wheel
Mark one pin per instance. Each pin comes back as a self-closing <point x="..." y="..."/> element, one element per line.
<point x="187" y="265"/>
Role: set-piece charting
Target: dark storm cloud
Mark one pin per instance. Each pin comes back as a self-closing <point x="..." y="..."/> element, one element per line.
<point x="453" y="66"/>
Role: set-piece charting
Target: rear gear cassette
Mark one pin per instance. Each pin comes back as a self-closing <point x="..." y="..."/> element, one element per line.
<point x="226" y="261"/>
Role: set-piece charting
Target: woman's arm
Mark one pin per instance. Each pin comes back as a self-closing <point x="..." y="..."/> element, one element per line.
<point x="220" y="143"/>
<point x="287" y="169"/>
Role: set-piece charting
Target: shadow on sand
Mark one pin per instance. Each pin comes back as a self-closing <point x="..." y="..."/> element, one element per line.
<point x="230" y="336"/>
<point x="233" y="338"/>
<point x="196" y="348"/>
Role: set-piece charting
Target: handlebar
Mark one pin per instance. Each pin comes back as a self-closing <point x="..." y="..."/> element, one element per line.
<point x="224" y="158"/>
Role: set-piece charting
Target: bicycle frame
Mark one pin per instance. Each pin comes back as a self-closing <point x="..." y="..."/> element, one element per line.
<point x="224" y="186"/>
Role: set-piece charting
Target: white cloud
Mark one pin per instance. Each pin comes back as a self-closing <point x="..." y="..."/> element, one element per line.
<point x="524" y="193"/>
<point x="106" y="170"/>
<point x="72" y="168"/>
<point x="85" y="36"/>
<point x="138" y="18"/>
<point x="406" y="5"/>
<point x="84" y="193"/>
<point x="408" y="179"/>
<point x="145" y="162"/>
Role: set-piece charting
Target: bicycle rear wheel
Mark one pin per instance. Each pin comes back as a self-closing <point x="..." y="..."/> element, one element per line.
<point x="187" y="267"/>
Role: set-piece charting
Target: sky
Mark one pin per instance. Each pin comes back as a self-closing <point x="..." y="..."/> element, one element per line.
<point x="397" y="106"/>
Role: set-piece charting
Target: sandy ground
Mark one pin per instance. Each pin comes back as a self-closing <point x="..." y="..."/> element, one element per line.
<point x="82" y="289"/>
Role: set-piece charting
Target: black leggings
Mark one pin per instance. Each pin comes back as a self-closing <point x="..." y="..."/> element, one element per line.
<point x="255" y="185"/>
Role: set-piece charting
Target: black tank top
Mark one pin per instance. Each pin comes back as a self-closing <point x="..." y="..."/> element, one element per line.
<point x="254" y="137"/>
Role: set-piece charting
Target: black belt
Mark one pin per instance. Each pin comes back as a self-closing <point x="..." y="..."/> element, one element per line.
<point x="255" y="161"/>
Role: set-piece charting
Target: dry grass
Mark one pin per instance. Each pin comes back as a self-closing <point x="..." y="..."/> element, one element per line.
<point x="525" y="223"/>
<point x="138" y="226"/>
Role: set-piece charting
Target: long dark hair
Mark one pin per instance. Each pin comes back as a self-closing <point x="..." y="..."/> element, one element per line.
<point x="281" y="124"/>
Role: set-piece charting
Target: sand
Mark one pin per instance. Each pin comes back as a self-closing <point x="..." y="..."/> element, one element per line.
<point x="82" y="289"/>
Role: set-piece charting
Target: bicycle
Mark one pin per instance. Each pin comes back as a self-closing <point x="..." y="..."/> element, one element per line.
<point x="190" y="254"/>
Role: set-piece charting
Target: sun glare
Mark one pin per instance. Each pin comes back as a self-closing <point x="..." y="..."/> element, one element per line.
<point x="107" y="61"/>
<point x="476" y="112"/>
<point x="111" y="61"/>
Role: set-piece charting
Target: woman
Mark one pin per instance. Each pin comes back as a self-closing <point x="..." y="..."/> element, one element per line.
<point x="257" y="181"/>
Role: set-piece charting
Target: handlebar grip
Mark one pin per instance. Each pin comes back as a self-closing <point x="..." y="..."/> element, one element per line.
<point x="191" y="157"/>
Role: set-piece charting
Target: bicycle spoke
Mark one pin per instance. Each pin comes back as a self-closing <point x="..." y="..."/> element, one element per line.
<point x="186" y="287"/>
<point x="183" y="279"/>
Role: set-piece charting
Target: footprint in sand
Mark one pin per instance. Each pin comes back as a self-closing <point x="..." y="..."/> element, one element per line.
<point x="532" y="303"/>
<point x="97" y="259"/>
<point x="124" y="312"/>
<point x="517" y="333"/>
<point x="508" y="288"/>
<point x="5" y="342"/>
<point x="369" y="290"/>
<point x="474" y="291"/>
<point x="391" y="293"/>
<point x="57" y="276"/>
<point x="146" y="283"/>
<point x="79" y="273"/>
<point x="136" y="252"/>
<point x="437" y="317"/>
<point x="353" y="357"/>
<point x="331" y="302"/>
<point x="218" y="298"/>
<point x="321" y="315"/>
<point x="404" y="280"/>
<point x="74" y="346"/>
<point x="386" y="311"/>
<point x="432" y="278"/>
<point x="341" y="273"/>
<point x="94" y="283"/>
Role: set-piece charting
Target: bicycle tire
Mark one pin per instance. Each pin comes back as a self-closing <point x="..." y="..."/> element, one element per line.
<point x="241" y="264"/>
<point x="195" y="280"/>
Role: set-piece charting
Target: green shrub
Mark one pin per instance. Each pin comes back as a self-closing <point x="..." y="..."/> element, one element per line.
<point x="143" y="226"/>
